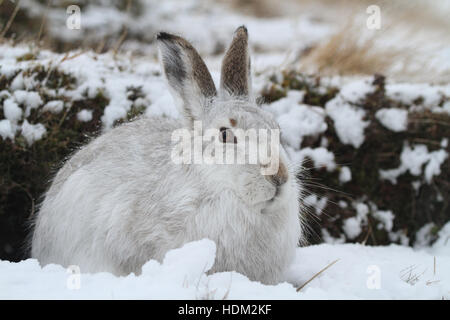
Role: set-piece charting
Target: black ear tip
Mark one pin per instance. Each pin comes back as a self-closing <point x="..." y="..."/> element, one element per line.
<point x="164" y="36"/>
<point x="242" y="28"/>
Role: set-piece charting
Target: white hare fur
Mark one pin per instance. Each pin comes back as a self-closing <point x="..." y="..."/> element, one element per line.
<point x="120" y="200"/>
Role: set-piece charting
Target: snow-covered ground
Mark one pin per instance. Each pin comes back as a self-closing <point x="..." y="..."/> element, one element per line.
<point x="359" y="272"/>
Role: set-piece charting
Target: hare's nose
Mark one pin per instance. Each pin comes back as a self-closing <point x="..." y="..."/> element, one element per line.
<point x="281" y="177"/>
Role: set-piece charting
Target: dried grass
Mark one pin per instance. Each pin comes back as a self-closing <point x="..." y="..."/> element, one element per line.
<point x="10" y="20"/>
<point x="316" y="275"/>
<point x="351" y="51"/>
<point x="411" y="275"/>
<point x="420" y="28"/>
<point x="345" y="53"/>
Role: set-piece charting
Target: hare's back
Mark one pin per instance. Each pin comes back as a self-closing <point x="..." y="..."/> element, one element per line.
<point x="126" y="151"/>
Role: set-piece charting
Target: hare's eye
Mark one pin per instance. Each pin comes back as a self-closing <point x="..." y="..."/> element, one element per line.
<point x="227" y="136"/>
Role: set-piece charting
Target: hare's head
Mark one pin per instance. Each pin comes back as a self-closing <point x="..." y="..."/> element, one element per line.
<point x="232" y="113"/>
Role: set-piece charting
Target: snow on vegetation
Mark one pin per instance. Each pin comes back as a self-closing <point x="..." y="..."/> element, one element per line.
<point x="387" y="219"/>
<point x="54" y="106"/>
<point x="352" y="226"/>
<point x="394" y="119"/>
<point x="299" y="121"/>
<point x="348" y="121"/>
<point x="321" y="157"/>
<point x="413" y="159"/>
<point x="428" y="95"/>
<point x="84" y="115"/>
<point x="6" y="129"/>
<point x="345" y="175"/>
<point x="368" y="143"/>
<point x="361" y="272"/>
<point x="93" y="75"/>
<point x="315" y="202"/>
<point x="32" y="132"/>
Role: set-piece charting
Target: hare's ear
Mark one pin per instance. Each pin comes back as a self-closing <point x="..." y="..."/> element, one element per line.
<point x="236" y="78"/>
<point x="187" y="74"/>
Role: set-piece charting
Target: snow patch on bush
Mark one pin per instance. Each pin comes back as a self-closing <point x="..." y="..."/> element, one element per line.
<point x="54" y="106"/>
<point x="315" y="202"/>
<point x="357" y="90"/>
<point x="345" y="175"/>
<point x="386" y="218"/>
<point x="297" y="120"/>
<point x="348" y="121"/>
<point x="6" y="129"/>
<point x="412" y="160"/>
<point x="394" y="119"/>
<point x="32" y="132"/>
<point x="84" y="115"/>
<point x="30" y="99"/>
<point x="409" y="93"/>
<point x="353" y="226"/>
<point x="320" y="157"/>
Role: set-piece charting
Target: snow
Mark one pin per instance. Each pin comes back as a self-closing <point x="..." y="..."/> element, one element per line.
<point x="440" y="247"/>
<point x="386" y="217"/>
<point x="446" y="107"/>
<point x="348" y="121"/>
<point x="433" y="168"/>
<point x="297" y="120"/>
<point x="6" y="129"/>
<point x="286" y="104"/>
<point x="394" y="119"/>
<point x="30" y="99"/>
<point x="371" y="272"/>
<point x="32" y="132"/>
<point x="112" y="76"/>
<point x="314" y="201"/>
<point x="11" y="110"/>
<point x="18" y="81"/>
<point x="412" y="160"/>
<point x="423" y="236"/>
<point x="342" y="204"/>
<point x="408" y="93"/>
<point x="444" y="143"/>
<point x="320" y="157"/>
<point x="399" y="236"/>
<point x="327" y="238"/>
<point x="353" y="226"/>
<point x="54" y="106"/>
<point x="84" y="115"/>
<point x="345" y="175"/>
<point x="356" y="90"/>
<point x="361" y="272"/>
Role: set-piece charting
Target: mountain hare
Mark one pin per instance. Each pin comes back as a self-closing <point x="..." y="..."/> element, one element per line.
<point x="121" y="200"/>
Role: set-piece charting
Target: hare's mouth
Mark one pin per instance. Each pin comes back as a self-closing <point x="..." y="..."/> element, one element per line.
<point x="275" y="197"/>
<point x="277" y="193"/>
